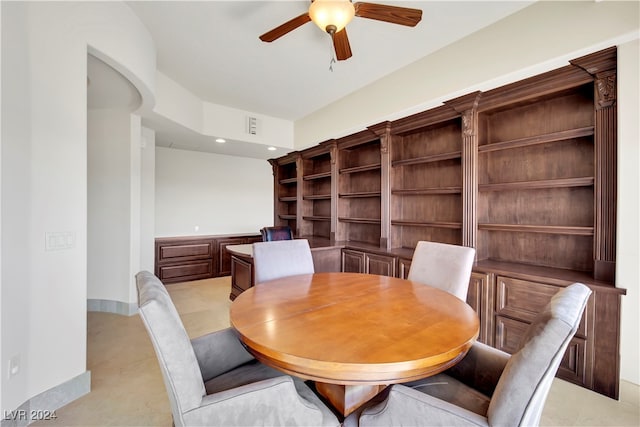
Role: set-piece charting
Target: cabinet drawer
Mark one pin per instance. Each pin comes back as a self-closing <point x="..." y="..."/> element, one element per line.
<point x="185" y="251"/>
<point x="523" y="300"/>
<point x="187" y="271"/>
<point x="572" y="368"/>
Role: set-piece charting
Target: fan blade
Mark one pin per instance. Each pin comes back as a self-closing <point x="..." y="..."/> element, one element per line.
<point x="341" y="45"/>
<point x="393" y="14"/>
<point x="283" y="29"/>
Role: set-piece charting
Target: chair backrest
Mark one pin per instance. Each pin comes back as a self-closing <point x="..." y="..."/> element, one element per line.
<point x="282" y="232"/>
<point x="272" y="260"/>
<point x="523" y="387"/>
<point x="178" y="363"/>
<point x="443" y="266"/>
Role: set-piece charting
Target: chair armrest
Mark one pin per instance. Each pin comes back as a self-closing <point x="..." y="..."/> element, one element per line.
<point x="481" y="368"/>
<point x="406" y="406"/>
<point x="219" y="352"/>
<point x="274" y="401"/>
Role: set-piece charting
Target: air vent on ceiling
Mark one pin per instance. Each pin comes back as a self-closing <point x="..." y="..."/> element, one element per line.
<point x="252" y="125"/>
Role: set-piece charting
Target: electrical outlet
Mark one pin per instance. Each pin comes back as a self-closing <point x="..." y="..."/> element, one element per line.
<point x="14" y="366"/>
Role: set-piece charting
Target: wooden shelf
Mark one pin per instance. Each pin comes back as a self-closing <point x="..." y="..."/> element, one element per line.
<point x="363" y="168"/>
<point x="541" y="184"/>
<point x="288" y="199"/>
<point x="285" y="216"/>
<point x="317" y="218"/>
<point x="427" y="159"/>
<point x="317" y="197"/>
<point x="427" y="191"/>
<point x="360" y="194"/>
<point x="288" y="181"/>
<point x="538" y="139"/>
<point x="550" y="229"/>
<point x="360" y="220"/>
<point x="319" y="175"/>
<point x="433" y="224"/>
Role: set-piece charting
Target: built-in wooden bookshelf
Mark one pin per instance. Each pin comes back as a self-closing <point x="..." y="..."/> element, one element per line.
<point x="524" y="173"/>
<point x="426" y="180"/>
<point x="316" y="192"/>
<point x="359" y="208"/>
<point x="536" y="181"/>
<point x="285" y="172"/>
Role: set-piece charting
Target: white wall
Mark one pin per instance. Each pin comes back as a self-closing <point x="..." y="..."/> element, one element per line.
<point x="109" y="204"/>
<point x="177" y="104"/>
<point x="215" y="193"/>
<point x="147" y="200"/>
<point x="628" y="238"/>
<point x="44" y="177"/>
<point x="541" y="37"/>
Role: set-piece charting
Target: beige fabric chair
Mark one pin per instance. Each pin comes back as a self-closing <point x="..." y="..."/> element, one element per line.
<point x="489" y="387"/>
<point x="213" y="381"/>
<point x="443" y="266"/>
<point x="281" y="258"/>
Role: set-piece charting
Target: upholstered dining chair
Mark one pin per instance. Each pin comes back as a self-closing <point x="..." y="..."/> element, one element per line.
<point x="489" y="387"/>
<point x="213" y="381"/>
<point x="272" y="260"/>
<point x="443" y="266"/>
<point x="279" y="232"/>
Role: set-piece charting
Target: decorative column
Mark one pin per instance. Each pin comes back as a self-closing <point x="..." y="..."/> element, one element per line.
<point x="602" y="66"/>
<point x="383" y="131"/>
<point x="335" y="173"/>
<point x="299" y="193"/>
<point x="467" y="106"/>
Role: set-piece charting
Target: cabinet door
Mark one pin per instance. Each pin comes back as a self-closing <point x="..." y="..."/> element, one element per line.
<point x="479" y="297"/>
<point x="524" y="299"/>
<point x="517" y="303"/>
<point x="241" y="276"/>
<point x="380" y="264"/>
<point x="404" y="265"/>
<point x="224" y="257"/>
<point x="352" y="261"/>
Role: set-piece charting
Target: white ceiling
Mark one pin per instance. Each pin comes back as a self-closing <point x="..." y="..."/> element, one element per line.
<point x="212" y="49"/>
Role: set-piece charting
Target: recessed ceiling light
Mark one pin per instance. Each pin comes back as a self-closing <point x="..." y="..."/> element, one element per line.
<point x="221" y="140"/>
<point x="271" y="148"/>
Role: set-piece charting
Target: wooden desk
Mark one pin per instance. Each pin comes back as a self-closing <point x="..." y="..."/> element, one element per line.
<point x="325" y="258"/>
<point x="353" y="334"/>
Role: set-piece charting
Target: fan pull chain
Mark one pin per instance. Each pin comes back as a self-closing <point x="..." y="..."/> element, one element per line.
<point x="332" y="55"/>
<point x="333" y="61"/>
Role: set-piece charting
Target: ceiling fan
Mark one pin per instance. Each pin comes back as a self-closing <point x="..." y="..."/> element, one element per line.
<point x="332" y="16"/>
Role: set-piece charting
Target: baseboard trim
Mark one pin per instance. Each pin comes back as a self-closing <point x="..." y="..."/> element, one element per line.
<point x="110" y="306"/>
<point x="43" y="406"/>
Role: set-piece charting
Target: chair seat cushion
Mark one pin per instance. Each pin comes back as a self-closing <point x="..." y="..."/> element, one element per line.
<point x="248" y="373"/>
<point x="449" y="389"/>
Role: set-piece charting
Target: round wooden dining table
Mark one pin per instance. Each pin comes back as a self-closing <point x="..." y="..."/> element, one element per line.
<point x="353" y="334"/>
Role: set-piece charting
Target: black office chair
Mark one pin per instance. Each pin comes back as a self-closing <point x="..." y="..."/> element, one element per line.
<point x="270" y="234"/>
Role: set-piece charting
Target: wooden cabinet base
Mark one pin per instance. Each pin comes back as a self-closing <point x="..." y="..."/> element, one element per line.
<point x="181" y="259"/>
<point x="348" y="398"/>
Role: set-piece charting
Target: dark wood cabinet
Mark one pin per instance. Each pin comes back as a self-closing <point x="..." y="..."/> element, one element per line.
<point x="524" y="173"/>
<point x="181" y="259"/>
<point x="224" y="257"/>
<point x="357" y="261"/>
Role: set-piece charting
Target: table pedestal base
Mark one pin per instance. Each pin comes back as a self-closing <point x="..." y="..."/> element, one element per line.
<point x="348" y="398"/>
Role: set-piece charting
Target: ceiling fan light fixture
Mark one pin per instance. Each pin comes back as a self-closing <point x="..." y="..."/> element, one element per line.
<point x="331" y="15"/>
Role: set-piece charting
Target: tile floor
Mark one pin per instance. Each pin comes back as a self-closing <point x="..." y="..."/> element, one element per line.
<point x="127" y="387"/>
